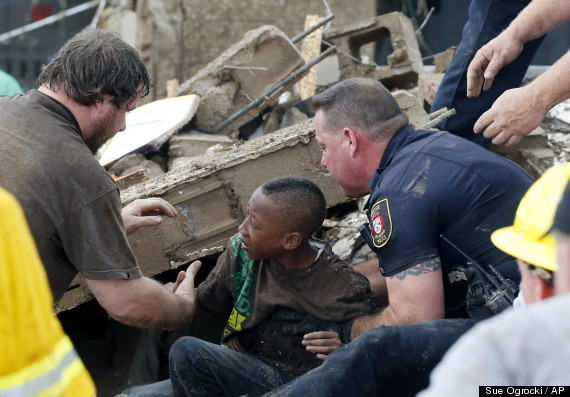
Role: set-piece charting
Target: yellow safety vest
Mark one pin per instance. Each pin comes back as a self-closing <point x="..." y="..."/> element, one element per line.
<point x="36" y="357"/>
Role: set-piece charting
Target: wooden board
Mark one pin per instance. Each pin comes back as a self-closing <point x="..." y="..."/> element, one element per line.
<point x="149" y="126"/>
<point x="311" y="48"/>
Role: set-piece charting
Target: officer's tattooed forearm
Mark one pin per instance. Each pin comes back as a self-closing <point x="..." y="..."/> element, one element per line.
<point x="428" y="266"/>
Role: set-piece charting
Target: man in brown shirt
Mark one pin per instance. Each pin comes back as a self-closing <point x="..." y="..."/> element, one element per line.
<point x="48" y="139"/>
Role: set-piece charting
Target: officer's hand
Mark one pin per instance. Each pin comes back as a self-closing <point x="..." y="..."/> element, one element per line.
<point x="322" y="343"/>
<point x="487" y="62"/>
<point x="513" y="116"/>
<point x="146" y="212"/>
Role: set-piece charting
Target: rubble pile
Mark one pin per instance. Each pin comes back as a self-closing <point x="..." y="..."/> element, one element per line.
<point x="240" y="137"/>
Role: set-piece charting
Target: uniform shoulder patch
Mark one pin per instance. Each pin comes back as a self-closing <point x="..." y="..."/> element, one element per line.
<point x="380" y="223"/>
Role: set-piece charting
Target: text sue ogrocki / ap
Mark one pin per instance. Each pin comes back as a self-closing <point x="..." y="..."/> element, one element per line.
<point x="524" y="391"/>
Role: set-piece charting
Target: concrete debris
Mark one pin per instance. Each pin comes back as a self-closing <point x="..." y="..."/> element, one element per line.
<point x="345" y="237"/>
<point x="242" y="73"/>
<point x="443" y="59"/>
<point x="559" y="116"/>
<point x="427" y="87"/>
<point x="404" y="63"/>
<point x="412" y="107"/>
<point x="178" y="38"/>
<point x="195" y="144"/>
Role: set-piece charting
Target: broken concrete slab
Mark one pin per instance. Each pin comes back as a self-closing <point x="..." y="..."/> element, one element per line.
<point x="559" y="116"/>
<point x="412" y="107"/>
<point x="242" y="73"/>
<point x="126" y="162"/>
<point x="428" y="83"/>
<point x="443" y="59"/>
<point x="195" y="144"/>
<point x="328" y="71"/>
<point x="404" y="63"/>
<point x="211" y="197"/>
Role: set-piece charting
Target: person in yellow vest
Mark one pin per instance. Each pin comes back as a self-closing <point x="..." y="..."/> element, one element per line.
<point x="37" y="358"/>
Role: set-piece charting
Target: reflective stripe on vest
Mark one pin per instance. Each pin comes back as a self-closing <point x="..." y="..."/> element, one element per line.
<point x="48" y="377"/>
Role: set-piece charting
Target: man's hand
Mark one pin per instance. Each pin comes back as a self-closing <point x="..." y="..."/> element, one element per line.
<point x="146" y="212"/>
<point x="489" y="60"/>
<point x="184" y="285"/>
<point x="322" y="343"/>
<point x="172" y="287"/>
<point x="512" y="117"/>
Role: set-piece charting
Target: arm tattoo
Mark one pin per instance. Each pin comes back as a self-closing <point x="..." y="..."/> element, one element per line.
<point x="431" y="265"/>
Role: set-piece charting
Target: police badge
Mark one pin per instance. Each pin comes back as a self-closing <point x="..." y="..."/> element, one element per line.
<point x="380" y="223"/>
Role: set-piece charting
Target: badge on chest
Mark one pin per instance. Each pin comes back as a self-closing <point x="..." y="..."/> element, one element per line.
<point x="380" y="223"/>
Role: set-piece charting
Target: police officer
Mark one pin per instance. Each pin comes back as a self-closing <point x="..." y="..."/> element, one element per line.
<point x="520" y="347"/>
<point x="423" y="184"/>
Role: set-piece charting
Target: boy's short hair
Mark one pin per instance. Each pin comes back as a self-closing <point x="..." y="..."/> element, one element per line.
<point x="301" y="200"/>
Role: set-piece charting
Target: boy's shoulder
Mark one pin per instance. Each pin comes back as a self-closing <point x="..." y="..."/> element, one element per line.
<point x="329" y="260"/>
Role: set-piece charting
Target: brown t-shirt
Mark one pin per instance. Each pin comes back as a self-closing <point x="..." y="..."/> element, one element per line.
<point x="250" y="291"/>
<point x="71" y="203"/>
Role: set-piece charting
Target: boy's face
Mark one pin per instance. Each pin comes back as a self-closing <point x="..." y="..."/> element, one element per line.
<point x="262" y="237"/>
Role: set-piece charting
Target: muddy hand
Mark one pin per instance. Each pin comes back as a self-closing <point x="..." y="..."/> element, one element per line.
<point x="146" y="212"/>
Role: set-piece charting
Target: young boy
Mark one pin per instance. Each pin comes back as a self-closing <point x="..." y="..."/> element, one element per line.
<point x="274" y="284"/>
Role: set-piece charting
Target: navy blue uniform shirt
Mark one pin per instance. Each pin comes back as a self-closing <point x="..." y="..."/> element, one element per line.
<point x="432" y="183"/>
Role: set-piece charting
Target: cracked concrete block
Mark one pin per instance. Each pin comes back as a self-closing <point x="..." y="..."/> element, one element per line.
<point x="443" y="59"/>
<point x="125" y="163"/>
<point x="328" y="71"/>
<point x="195" y="144"/>
<point x="427" y="87"/>
<point x="211" y="198"/>
<point x="412" y="107"/>
<point x="241" y="74"/>
<point x="404" y="63"/>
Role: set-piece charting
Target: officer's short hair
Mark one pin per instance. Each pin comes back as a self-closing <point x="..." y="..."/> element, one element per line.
<point x="302" y="203"/>
<point x="94" y="63"/>
<point x="361" y="103"/>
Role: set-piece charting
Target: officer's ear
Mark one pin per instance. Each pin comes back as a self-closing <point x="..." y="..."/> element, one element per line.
<point x="353" y="138"/>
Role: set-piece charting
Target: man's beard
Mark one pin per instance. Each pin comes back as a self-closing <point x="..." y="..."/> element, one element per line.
<point x="102" y="131"/>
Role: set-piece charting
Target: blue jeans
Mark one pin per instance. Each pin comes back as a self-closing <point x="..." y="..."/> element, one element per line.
<point x="199" y="368"/>
<point x="384" y="361"/>
<point x="487" y="18"/>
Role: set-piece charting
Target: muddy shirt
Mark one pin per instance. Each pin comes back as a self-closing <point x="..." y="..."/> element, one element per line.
<point x="429" y="184"/>
<point x="71" y="203"/>
<point x="251" y="291"/>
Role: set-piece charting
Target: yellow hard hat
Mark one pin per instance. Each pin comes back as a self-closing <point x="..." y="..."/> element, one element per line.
<point x="529" y="238"/>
